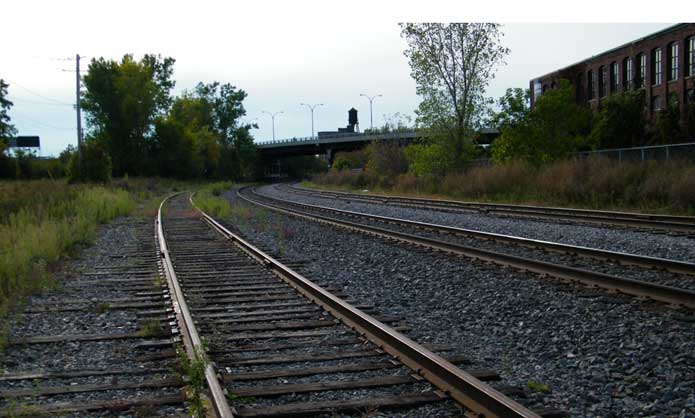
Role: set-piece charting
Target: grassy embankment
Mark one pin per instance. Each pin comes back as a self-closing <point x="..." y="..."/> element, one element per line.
<point x="208" y="199"/>
<point x="598" y="183"/>
<point x="43" y="221"/>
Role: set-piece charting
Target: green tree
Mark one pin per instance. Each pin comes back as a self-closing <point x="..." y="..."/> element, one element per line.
<point x="621" y="122"/>
<point x="452" y="65"/>
<point x="94" y="166"/>
<point x="121" y="101"/>
<point x="514" y="108"/>
<point x="8" y="165"/>
<point x="7" y="130"/>
<point x="667" y="127"/>
<point x="556" y="127"/>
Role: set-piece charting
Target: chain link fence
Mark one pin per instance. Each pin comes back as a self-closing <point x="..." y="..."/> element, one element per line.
<point x="684" y="151"/>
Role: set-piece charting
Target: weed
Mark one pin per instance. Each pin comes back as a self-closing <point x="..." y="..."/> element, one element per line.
<point x="193" y="371"/>
<point x="240" y="400"/>
<point x="538" y="387"/>
<point x="157" y="282"/>
<point x="153" y="328"/>
<point x="101" y="308"/>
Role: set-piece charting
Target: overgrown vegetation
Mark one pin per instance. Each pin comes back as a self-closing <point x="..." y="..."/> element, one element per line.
<point x="209" y="201"/>
<point x="42" y="220"/>
<point x="193" y="371"/>
<point x="596" y="182"/>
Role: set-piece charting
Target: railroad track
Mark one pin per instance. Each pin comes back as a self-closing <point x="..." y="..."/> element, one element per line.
<point x="677" y="225"/>
<point x="281" y="345"/>
<point x="101" y="343"/>
<point x="439" y="237"/>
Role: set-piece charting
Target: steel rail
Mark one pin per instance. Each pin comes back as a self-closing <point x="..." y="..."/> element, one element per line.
<point x="474" y="395"/>
<point x="669" y="222"/>
<point x="675" y="266"/>
<point x="667" y="294"/>
<point x="189" y="333"/>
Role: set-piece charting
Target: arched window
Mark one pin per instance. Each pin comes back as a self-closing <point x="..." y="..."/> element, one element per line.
<point x="601" y="81"/>
<point x="627" y="73"/>
<point x="673" y="61"/>
<point x="590" y="82"/>
<point x="656" y="66"/>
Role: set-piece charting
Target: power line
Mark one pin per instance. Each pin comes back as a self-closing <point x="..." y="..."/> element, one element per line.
<point x="22" y="100"/>
<point x="38" y="94"/>
<point x="39" y="123"/>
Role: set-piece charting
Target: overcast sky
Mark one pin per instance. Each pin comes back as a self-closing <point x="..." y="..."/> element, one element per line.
<point x="279" y="54"/>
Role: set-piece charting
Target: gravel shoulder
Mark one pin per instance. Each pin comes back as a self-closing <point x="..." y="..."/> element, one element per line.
<point x="625" y="240"/>
<point x="120" y="267"/>
<point x="599" y="355"/>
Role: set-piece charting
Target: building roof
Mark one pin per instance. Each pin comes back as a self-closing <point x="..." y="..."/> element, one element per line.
<point x="625" y="45"/>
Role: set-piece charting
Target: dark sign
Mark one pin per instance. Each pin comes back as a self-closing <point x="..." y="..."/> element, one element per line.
<point x="25" y="142"/>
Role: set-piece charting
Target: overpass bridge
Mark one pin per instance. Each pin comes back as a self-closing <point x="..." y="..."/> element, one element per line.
<point x="328" y="145"/>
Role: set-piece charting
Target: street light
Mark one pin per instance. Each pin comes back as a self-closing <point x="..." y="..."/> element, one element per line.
<point x="272" y="116"/>
<point x="371" y="118"/>
<point x="312" y="107"/>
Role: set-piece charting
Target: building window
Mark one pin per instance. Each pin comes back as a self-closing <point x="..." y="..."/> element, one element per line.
<point x="614" y="77"/>
<point x="656" y="103"/>
<point x="691" y="56"/>
<point x="537" y="89"/>
<point x="673" y="61"/>
<point x="590" y="84"/>
<point x="627" y="73"/>
<point x="601" y="81"/>
<point x="641" y="69"/>
<point x="656" y="66"/>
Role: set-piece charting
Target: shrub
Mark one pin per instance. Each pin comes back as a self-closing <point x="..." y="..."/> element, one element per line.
<point x="94" y="166"/>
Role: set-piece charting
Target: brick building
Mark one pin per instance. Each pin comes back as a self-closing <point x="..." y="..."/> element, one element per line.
<point x="662" y="63"/>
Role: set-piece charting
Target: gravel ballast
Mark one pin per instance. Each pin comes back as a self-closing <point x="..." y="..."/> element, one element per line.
<point x="599" y="355"/>
<point x="624" y="240"/>
<point x="120" y="267"/>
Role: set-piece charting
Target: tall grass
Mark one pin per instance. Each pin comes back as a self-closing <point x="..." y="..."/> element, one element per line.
<point x="48" y="220"/>
<point x="209" y="201"/>
<point x="598" y="183"/>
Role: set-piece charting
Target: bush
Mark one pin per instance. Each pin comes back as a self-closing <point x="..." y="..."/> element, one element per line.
<point x="598" y="183"/>
<point x="41" y="222"/>
<point x="94" y="166"/>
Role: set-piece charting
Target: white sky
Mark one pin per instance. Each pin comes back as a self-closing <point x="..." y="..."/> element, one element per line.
<point x="281" y="53"/>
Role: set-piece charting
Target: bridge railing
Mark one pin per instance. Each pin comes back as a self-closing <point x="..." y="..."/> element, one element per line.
<point x="318" y="139"/>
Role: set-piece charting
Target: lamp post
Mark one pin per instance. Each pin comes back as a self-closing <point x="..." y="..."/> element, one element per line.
<point x="272" y="116"/>
<point x="371" y="118"/>
<point x="312" y="107"/>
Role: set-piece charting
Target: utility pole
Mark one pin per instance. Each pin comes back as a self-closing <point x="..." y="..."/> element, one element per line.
<point x="272" y="116"/>
<point x="77" y="106"/>
<point x="371" y="116"/>
<point x="312" y="107"/>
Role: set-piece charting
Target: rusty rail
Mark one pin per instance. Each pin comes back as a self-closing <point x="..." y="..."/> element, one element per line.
<point x="470" y="392"/>
<point x="189" y="333"/>
<point x="674" y="223"/>
<point x="667" y="294"/>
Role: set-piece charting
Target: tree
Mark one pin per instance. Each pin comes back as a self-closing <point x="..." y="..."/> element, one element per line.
<point x="121" y="101"/>
<point x="514" y="108"/>
<point x="8" y="165"/>
<point x="452" y="65"/>
<point x="204" y="126"/>
<point x="621" y="122"/>
<point x="667" y="127"/>
<point x="7" y="130"/>
<point x="556" y="127"/>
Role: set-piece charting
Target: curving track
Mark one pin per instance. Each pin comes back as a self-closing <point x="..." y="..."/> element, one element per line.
<point x="677" y="225"/>
<point x="411" y="232"/>
<point x="281" y="345"/>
